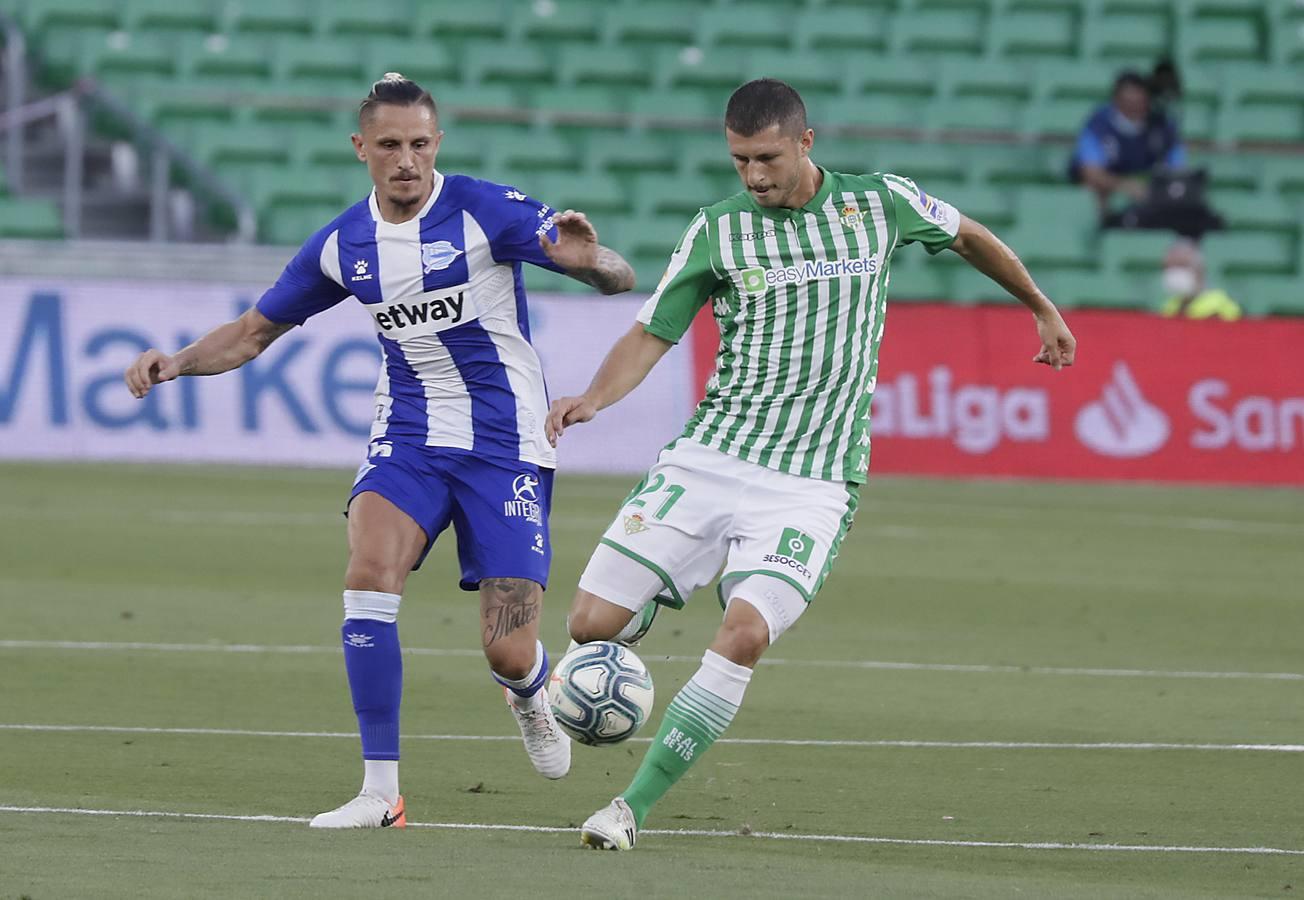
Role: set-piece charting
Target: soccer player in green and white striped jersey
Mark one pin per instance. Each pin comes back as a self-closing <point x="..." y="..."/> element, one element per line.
<point x="762" y="485"/>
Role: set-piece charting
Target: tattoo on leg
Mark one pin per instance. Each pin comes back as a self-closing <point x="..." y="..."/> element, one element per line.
<point x="510" y="603"/>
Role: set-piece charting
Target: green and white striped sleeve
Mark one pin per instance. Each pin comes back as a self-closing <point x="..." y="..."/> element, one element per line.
<point x="688" y="283"/>
<point x="929" y="220"/>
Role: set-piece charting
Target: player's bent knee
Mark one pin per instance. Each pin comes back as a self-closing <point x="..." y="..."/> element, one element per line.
<point x="594" y="619"/>
<point x="512" y="663"/>
<point x="369" y="573"/>
<point x="744" y="634"/>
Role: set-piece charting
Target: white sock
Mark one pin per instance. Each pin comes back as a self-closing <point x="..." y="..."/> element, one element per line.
<point x="722" y="677"/>
<point x="380" y="779"/>
<point x="527" y="681"/>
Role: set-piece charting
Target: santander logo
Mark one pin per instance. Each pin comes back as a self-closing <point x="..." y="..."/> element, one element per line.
<point x="1122" y="423"/>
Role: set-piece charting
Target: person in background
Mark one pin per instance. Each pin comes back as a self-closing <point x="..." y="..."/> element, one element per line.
<point x="1188" y="295"/>
<point x="1124" y="141"/>
<point x="1166" y="89"/>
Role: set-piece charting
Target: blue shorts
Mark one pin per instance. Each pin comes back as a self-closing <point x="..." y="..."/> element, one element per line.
<point x="498" y="508"/>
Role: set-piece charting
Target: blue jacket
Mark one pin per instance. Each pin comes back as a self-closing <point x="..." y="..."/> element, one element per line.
<point x="1108" y="142"/>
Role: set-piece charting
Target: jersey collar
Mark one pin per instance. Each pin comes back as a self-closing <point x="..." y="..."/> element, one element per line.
<point x="429" y="204"/>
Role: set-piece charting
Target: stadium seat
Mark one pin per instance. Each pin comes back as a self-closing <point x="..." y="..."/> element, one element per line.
<point x="643" y="25"/>
<point x="749" y="26"/>
<point x="893" y="77"/>
<point x="491" y="62"/>
<point x="1054" y="226"/>
<point x="629" y="153"/>
<point x="456" y="20"/>
<point x="1127" y="36"/>
<point x="653" y="235"/>
<point x="168" y="15"/>
<point x="840" y="29"/>
<point x="29" y="218"/>
<point x="336" y="61"/>
<point x="533" y="150"/>
<point x="677" y="105"/>
<point x="571" y="20"/>
<point x="815" y="75"/>
<point x="1134" y="251"/>
<point x="1249" y="253"/>
<point x="215" y="57"/>
<point x="590" y="193"/>
<point x="928" y="31"/>
<point x="430" y="63"/>
<point x="993" y="114"/>
<point x="267" y="16"/>
<point x="1032" y="34"/>
<point x="1255" y="122"/>
<point x="1202" y="40"/>
<point x="721" y="70"/>
<point x="649" y="196"/>
<point x="1262" y="211"/>
<point x="579" y="64"/>
<point x="353" y="19"/>
<point x="584" y="99"/>
<point x="38" y="18"/>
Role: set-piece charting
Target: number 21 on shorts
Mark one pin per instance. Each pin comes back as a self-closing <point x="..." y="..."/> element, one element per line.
<point x="657" y="485"/>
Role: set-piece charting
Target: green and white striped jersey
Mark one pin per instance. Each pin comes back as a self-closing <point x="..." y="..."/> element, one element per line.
<point x="799" y="295"/>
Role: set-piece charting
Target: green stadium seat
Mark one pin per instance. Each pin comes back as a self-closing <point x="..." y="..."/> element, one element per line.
<point x="426" y="61"/>
<point x="644" y="25"/>
<point x="866" y="112"/>
<point x="1265" y="212"/>
<point x="459" y="99"/>
<point x="30" y="218"/>
<point x="1056" y="118"/>
<point x="1249" y="253"/>
<point x="140" y="52"/>
<point x="653" y="235"/>
<point x="985" y="78"/>
<point x="267" y="16"/>
<point x="1262" y="84"/>
<point x="584" y="64"/>
<point x="1283" y="175"/>
<point x="457" y="20"/>
<point x="572" y="20"/>
<point x="266" y="186"/>
<point x="893" y="77"/>
<point x="1254" y="122"/>
<point x="219" y="56"/>
<point x="927" y="163"/>
<point x="992" y="207"/>
<point x="327" y="145"/>
<point x="506" y="63"/>
<point x="745" y="25"/>
<point x="38" y="17"/>
<point x="813" y="74"/>
<point x="840" y="29"/>
<point x="996" y="114"/>
<point x="1134" y="251"/>
<point x="292" y="225"/>
<point x="1126" y="36"/>
<point x="704" y="153"/>
<point x="1286" y="34"/>
<point x="1197" y="120"/>
<point x="350" y="18"/>
<point x="1080" y="85"/>
<point x="337" y="61"/>
<point x="586" y="99"/>
<point x="721" y="70"/>
<point x="929" y="31"/>
<point x="1230" y="172"/>
<point x="650" y="197"/>
<point x="676" y="105"/>
<point x="533" y="150"/>
<point x="1058" y="225"/>
<point x="593" y="194"/>
<point x="1261" y="295"/>
<point x="623" y="153"/>
<point x="915" y="277"/>
<point x="168" y="15"/>
<point x="1028" y="34"/>
<point x="1202" y="40"/>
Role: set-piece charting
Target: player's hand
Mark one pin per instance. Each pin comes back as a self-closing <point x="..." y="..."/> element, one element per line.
<point x="567" y="411"/>
<point x="576" y="247"/>
<point x="1058" y="346"/>
<point x="150" y="368"/>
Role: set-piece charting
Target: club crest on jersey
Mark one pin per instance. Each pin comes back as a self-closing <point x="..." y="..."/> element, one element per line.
<point x="438" y="255"/>
<point x="525" y="500"/>
<point x="852" y="216"/>
<point x="634" y="524"/>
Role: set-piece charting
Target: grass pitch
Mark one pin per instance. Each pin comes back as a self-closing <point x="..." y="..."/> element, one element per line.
<point x="991" y="666"/>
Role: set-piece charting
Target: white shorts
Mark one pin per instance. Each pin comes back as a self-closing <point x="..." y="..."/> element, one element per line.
<point x="699" y="511"/>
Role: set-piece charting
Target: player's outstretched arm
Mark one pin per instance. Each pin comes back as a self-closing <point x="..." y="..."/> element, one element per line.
<point x="224" y="348"/>
<point x="989" y="255"/>
<point x="578" y="252"/>
<point x="624" y="369"/>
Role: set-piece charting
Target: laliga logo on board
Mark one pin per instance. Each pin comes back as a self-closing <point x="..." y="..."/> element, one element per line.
<point x="1122" y="422"/>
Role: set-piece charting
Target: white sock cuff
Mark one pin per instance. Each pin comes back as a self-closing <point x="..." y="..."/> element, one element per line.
<point x="374" y="605"/>
<point x="726" y="679"/>
<point x="531" y="676"/>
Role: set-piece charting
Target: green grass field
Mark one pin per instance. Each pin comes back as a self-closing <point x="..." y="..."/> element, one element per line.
<point x="976" y="647"/>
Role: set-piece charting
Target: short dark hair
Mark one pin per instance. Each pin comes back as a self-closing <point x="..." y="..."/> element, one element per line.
<point x="399" y="91"/>
<point x="759" y="104"/>
<point x="1130" y="78"/>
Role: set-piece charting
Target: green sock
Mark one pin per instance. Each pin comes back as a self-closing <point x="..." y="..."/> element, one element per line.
<point x="693" y="721"/>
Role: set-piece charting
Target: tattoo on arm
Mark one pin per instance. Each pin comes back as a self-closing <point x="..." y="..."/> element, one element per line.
<point x="610" y="273"/>
<point x="509" y="604"/>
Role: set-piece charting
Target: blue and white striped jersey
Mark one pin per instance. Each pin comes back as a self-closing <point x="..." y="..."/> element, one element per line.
<point x="448" y="301"/>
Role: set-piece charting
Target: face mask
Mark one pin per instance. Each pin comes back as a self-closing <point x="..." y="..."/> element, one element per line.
<point x="1180" y="282"/>
<point x="1124" y="125"/>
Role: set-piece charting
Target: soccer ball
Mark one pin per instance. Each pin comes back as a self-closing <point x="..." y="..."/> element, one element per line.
<point x="601" y="693"/>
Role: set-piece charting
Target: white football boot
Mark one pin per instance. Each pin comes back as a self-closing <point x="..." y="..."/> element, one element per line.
<point x="548" y="747"/>
<point x="363" y="811"/>
<point x="611" y="828"/>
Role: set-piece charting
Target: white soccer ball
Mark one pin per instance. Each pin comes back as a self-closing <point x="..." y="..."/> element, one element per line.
<point x="601" y="693"/>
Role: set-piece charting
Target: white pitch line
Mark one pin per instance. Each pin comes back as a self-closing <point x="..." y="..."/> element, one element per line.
<point x="687" y="832"/>
<point x="967" y="668"/>
<point x="767" y="742"/>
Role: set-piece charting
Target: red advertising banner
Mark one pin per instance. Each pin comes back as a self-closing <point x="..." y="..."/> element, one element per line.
<point x="1149" y="398"/>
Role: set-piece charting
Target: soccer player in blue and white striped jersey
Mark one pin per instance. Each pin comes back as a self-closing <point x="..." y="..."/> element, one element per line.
<point x="460" y="409"/>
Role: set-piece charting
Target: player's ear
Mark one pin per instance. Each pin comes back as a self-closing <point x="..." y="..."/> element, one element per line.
<point x="807" y="141"/>
<point x="359" y="148"/>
